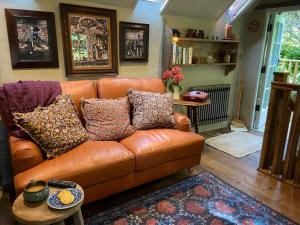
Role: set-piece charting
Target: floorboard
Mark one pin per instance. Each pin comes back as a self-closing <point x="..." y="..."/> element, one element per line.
<point x="240" y="173"/>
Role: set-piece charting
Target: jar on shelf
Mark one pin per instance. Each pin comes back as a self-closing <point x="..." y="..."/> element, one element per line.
<point x="227" y="58"/>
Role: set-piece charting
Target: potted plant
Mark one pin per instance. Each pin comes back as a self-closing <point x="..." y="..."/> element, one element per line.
<point x="173" y="79"/>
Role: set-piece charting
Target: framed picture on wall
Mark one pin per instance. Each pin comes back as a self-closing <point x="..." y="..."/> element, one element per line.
<point x="134" y="42"/>
<point x="90" y="40"/>
<point x="32" y="38"/>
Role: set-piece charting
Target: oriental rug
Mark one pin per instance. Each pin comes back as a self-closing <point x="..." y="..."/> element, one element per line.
<point x="201" y="199"/>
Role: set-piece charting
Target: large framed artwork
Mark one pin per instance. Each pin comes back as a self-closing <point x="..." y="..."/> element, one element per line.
<point x="134" y="42"/>
<point x="32" y="38"/>
<point x="90" y="40"/>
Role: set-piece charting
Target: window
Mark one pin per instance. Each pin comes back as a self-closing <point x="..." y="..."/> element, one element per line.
<point x="237" y="7"/>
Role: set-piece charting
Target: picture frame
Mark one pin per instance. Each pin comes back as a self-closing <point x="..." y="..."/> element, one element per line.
<point x="134" y="42"/>
<point x="89" y="40"/>
<point x="32" y="39"/>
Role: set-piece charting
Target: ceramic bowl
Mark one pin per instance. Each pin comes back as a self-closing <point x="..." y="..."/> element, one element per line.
<point x="33" y="196"/>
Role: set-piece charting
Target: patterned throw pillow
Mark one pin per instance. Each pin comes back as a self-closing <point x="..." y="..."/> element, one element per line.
<point x="56" y="128"/>
<point x="107" y="119"/>
<point x="151" y="110"/>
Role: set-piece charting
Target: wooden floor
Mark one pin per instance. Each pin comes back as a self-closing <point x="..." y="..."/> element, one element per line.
<point x="240" y="173"/>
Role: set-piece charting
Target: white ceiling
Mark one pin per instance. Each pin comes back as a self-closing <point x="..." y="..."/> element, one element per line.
<point x="116" y="3"/>
<point x="210" y="9"/>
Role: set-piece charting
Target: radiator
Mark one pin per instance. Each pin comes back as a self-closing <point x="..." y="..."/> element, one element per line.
<point x="217" y="110"/>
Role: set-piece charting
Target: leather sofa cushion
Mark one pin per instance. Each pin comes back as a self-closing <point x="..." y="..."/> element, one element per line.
<point x="157" y="146"/>
<point x="90" y="163"/>
<point x="79" y="89"/>
<point x="111" y="88"/>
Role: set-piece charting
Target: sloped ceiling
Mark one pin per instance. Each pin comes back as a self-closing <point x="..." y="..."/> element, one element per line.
<point x="209" y="9"/>
<point x="116" y="3"/>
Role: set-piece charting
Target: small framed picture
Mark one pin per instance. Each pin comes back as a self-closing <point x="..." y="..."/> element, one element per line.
<point x="32" y="38"/>
<point x="134" y="42"/>
<point x="90" y="40"/>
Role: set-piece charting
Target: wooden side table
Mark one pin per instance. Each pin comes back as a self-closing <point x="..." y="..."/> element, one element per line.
<point x="41" y="214"/>
<point x="192" y="106"/>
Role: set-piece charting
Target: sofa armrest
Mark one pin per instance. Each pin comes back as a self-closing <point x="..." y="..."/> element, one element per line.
<point x="183" y="122"/>
<point x="25" y="154"/>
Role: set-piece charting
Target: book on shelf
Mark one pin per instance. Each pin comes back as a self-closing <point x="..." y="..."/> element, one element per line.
<point x="187" y="56"/>
<point x="190" y="55"/>
<point x="182" y="55"/>
<point x="174" y="53"/>
<point x="179" y="55"/>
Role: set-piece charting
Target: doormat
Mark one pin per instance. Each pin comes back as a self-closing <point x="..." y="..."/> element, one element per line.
<point x="238" y="144"/>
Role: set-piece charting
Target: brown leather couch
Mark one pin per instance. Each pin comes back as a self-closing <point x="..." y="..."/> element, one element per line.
<point x="104" y="168"/>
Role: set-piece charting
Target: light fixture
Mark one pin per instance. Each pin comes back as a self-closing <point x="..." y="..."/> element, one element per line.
<point x="174" y="39"/>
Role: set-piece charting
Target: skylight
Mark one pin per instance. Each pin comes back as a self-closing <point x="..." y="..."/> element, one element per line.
<point x="237" y="7"/>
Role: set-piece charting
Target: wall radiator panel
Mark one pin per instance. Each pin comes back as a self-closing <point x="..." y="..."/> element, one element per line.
<point x="217" y="111"/>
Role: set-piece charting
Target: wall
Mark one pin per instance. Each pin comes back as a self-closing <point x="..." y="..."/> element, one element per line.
<point x="206" y="75"/>
<point x="252" y="60"/>
<point x="144" y="12"/>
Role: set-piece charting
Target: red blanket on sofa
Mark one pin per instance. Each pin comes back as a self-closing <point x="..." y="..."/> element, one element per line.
<point x="24" y="96"/>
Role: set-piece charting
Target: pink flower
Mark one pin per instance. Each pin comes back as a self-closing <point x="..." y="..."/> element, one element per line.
<point x="175" y="70"/>
<point x="166" y="75"/>
<point x="177" y="78"/>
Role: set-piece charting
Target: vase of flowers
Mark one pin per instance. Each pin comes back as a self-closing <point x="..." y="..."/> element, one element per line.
<point x="172" y="79"/>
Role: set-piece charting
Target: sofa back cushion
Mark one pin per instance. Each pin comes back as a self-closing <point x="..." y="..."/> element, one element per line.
<point x="107" y="119"/>
<point x="56" y="128"/>
<point x="112" y="88"/>
<point x="79" y="89"/>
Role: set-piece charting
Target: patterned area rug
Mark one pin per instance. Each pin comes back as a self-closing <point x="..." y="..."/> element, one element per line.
<point x="202" y="199"/>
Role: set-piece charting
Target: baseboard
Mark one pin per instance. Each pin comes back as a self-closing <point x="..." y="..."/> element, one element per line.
<point x="213" y="126"/>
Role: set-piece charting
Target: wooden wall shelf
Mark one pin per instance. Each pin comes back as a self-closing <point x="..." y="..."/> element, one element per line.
<point x="201" y="49"/>
<point x="196" y="51"/>
<point x="228" y="66"/>
<point x="206" y="40"/>
<point x="206" y="64"/>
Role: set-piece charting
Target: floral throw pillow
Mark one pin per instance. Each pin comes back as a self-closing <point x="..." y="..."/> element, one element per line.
<point x="56" y="128"/>
<point x="151" y="110"/>
<point x="107" y="119"/>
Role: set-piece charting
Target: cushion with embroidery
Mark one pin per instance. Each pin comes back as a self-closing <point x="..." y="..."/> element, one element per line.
<point x="151" y="110"/>
<point x="56" y="128"/>
<point x="107" y="119"/>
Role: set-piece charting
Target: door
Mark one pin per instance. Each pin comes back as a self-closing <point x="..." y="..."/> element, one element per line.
<point x="269" y="65"/>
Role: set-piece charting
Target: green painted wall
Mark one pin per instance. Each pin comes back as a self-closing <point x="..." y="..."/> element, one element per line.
<point x="144" y="12"/>
<point x="208" y="74"/>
